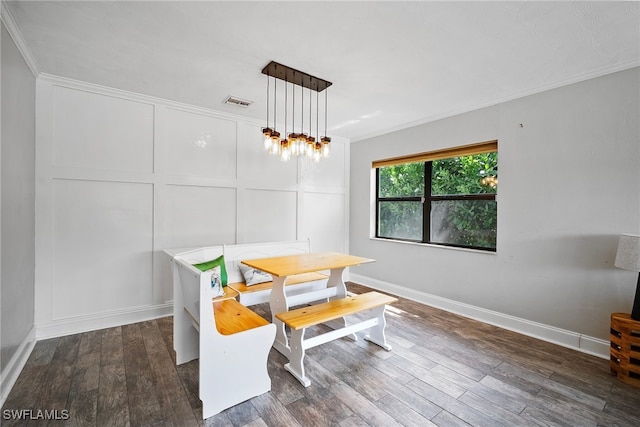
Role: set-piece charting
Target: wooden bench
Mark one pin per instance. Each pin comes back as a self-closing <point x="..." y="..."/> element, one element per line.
<point x="302" y="318"/>
<point x="231" y="341"/>
<point x="233" y="317"/>
<point x="230" y="316"/>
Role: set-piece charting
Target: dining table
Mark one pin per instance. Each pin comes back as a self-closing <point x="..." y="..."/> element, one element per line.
<point x="282" y="267"/>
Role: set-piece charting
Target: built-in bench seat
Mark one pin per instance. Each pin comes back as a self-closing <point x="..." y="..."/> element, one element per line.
<point x="231" y="341"/>
<point x="372" y="304"/>
<point x="259" y="293"/>
<point x="233" y="317"/>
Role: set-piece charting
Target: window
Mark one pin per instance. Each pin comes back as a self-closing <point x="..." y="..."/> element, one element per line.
<point x="445" y="197"/>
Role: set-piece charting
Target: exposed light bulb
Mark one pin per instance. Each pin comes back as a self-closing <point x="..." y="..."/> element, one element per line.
<point x="292" y="143"/>
<point x="275" y="142"/>
<point x="285" y="152"/>
<point x="311" y="142"/>
<point x="317" y="152"/>
<point x="266" y="132"/>
<point x="325" y="146"/>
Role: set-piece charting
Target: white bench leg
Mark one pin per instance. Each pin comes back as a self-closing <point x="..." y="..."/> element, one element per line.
<point x="296" y="358"/>
<point x="376" y="333"/>
<point x="278" y="304"/>
<point x="337" y="281"/>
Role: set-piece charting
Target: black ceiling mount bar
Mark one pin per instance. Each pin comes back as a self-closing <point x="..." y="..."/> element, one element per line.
<point x="288" y="74"/>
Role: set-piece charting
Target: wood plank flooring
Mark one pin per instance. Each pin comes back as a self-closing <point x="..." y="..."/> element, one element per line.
<point x="444" y="370"/>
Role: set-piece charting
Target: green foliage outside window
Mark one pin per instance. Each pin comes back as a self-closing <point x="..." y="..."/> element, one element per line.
<point x="470" y="222"/>
<point x="459" y="216"/>
<point x="402" y="180"/>
<point x="464" y="175"/>
<point x="401" y="219"/>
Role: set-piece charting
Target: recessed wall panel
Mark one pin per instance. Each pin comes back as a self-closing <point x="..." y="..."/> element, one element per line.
<point x="329" y="172"/>
<point x="199" y="216"/>
<point x="257" y="165"/>
<point x="269" y="216"/>
<point x="93" y="131"/>
<point x="200" y="145"/>
<point x="323" y="221"/>
<point x="102" y="246"/>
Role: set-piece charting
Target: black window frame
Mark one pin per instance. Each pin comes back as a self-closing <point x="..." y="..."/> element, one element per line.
<point x="426" y="201"/>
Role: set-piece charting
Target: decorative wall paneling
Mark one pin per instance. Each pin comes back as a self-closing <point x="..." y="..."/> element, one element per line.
<point x="122" y="176"/>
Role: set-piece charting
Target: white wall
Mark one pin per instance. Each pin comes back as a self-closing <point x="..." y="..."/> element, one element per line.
<point x="569" y="162"/>
<point x="17" y="233"/>
<point x="121" y="177"/>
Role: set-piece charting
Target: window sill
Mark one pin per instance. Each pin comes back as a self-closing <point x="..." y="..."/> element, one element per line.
<point x="430" y="245"/>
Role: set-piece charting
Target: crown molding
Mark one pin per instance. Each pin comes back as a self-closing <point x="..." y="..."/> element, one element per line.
<point x="600" y="72"/>
<point x="12" y="28"/>
<point x="148" y="99"/>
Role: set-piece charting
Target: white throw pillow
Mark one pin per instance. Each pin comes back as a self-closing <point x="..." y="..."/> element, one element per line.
<point x="253" y="276"/>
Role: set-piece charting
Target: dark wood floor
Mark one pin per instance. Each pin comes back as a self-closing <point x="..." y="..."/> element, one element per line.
<point x="444" y="370"/>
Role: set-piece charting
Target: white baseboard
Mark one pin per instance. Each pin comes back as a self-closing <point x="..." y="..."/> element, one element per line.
<point x="14" y="367"/>
<point x="93" y="322"/>
<point x="563" y="337"/>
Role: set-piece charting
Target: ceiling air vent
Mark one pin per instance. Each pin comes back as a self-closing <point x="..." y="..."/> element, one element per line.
<point x="238" y="102"/>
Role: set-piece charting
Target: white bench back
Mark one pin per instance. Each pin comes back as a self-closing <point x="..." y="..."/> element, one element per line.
<point x="234" y="254"/>
<point x="196" y="256"/>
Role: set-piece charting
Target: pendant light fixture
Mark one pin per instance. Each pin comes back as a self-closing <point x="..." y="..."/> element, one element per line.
<point x="295" y="144"/>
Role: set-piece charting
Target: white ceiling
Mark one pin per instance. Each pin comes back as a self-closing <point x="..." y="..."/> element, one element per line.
<point x="392" y="64"/>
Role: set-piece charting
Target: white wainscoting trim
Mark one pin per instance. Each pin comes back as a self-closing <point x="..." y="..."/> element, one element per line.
<point x="583" y="343"/>
<point x="14" y="367"/>
<point x="98" y="321"/>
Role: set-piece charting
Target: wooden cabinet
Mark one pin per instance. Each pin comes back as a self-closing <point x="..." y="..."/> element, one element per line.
<point x="625" y="348"/>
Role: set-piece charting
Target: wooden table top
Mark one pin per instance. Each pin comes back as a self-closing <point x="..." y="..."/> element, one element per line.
<point x="305" y="263"/>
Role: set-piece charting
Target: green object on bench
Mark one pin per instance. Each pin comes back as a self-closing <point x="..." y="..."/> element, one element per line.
<point x="208" y="265"/>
